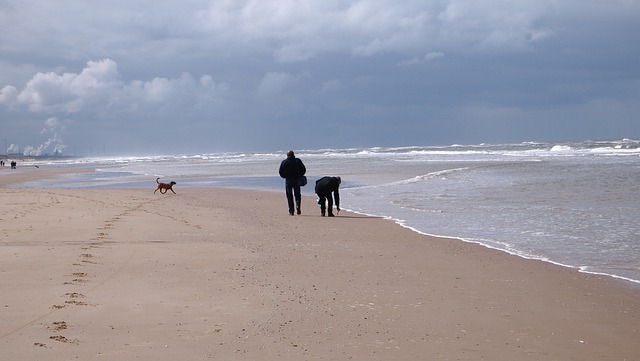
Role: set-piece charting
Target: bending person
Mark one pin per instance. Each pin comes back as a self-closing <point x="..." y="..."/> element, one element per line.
<point x="327" y="190"/>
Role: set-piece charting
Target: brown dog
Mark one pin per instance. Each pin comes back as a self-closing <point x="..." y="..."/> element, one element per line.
<point x="164" y="186"/>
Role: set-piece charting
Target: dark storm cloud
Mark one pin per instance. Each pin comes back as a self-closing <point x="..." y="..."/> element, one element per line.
<point x="252" y="75"/>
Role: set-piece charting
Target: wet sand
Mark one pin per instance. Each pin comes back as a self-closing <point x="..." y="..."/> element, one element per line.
<point x="227" y="274"/>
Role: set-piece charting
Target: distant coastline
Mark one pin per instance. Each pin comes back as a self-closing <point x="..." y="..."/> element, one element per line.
<point x="23" y="157"/>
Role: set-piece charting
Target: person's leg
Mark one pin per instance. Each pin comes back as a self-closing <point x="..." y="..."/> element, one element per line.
<point x="322" y="199"/>
<point x="296" y="191"/>
<point x="289" y="190"/>
<point x="330" y="205"/>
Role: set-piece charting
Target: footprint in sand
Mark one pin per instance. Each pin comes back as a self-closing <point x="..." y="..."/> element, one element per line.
<point x="74" y="295"/>
<point x="74" y="299"/>
<point x="86" y="258"/>
<point x="58" y="326"/>
<point x="76" y="303"/>
<point x="96" y="244"/>
<point x="79" y="277"/>
<point x="63" y="339"/>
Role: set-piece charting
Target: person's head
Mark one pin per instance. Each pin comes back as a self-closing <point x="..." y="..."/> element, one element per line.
<point x="339" y="180"/>
<point x="290" y="154"/>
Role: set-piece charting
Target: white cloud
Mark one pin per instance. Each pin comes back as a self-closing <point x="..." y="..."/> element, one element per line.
<point x="495" y="24"/>
<point x="286" y="30"/>
<point x="8" y="95"/>
<point x="431" y="56"/>
<point x="98" y="87"/>
<point x="70" y="92"/>
<point x="289" y="54"/>
<point x="207" y="81"/>
<point x="274" y="83"/>
<point x="297" y="31"/>
<point x="331" y="85"/>
<point x="154" y="91"/>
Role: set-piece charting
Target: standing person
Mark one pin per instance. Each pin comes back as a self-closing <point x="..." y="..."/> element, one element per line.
<point x="291" y="169"/>
<point x="324" y="187"/>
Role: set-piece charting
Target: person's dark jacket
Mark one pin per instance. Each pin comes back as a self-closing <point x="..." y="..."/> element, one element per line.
<point x="326" y="185"/>
<point x="292" y="168"/>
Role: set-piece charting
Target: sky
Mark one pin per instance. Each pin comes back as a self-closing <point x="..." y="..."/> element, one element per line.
<point x="181" y="77"/>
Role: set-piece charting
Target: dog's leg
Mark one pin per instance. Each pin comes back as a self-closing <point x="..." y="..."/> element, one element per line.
<point x="174" y="192"/>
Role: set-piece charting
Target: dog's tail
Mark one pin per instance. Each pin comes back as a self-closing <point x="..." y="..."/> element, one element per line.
<point x="158" y="180"/>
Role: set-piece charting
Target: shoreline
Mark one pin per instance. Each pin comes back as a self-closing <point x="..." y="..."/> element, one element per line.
<point x="517" y="254"/>
<point x="228" y="274"/>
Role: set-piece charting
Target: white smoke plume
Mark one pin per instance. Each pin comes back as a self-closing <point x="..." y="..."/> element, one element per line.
<point x="13" y="149"/>
<point x="54" y="144"/>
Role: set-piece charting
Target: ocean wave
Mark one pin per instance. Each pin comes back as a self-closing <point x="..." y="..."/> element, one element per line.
<point x="469" y="152"/>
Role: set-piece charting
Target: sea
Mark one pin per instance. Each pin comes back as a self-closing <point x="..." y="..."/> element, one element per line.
<point x="576" y="204"/>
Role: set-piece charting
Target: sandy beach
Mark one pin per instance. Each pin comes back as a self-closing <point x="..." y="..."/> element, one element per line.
<point x="227" y="274"/>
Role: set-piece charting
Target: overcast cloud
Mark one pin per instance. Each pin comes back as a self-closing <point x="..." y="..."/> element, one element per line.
<point x="192" y="76"/>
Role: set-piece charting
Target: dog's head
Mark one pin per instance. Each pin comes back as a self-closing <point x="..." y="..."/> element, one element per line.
<point x="172" y="183"/>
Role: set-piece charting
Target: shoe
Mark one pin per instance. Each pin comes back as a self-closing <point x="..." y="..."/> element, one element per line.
<point x="291" y="213"/>
<point x="322" y="214"/>
<point x="298" y="210"/>
<point x="331" y="215"/>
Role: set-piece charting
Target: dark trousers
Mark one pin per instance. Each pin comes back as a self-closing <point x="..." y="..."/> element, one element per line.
<point x="292" y="189"/>
<point x="324" y="198"/>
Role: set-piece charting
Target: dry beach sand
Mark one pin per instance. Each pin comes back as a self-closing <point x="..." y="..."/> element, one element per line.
<point x="224" y="274"/>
